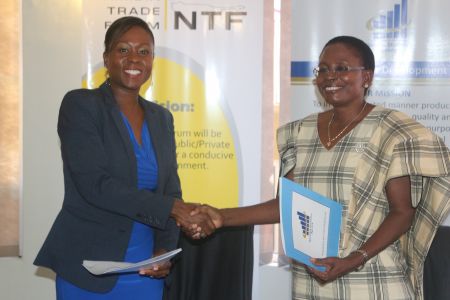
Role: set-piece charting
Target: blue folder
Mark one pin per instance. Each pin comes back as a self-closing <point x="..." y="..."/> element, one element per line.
<point x="306" y="227"/>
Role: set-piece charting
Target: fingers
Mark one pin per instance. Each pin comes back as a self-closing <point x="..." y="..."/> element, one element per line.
<point x="214" y="214"/>
<point x="198" y="236"/>
<point x="191" y="231"/>
<point x="331" y="269"/>
<point x="195" y="211"/>
<point x="318" y="261"/>
<point x="181" y="212"/>
<point x="157" y="271"/>
<point x="205" y="224"/>
<point x="198" y="226"/>
<point x="321" y="277"/>
<point x="196" y="221"/>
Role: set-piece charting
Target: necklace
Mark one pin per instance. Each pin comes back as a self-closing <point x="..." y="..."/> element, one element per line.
<point x="330" y="139"/>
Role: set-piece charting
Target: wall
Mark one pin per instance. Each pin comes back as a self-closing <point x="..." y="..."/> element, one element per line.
<point x="51" y="66"/>
<point x="10" y="87"/>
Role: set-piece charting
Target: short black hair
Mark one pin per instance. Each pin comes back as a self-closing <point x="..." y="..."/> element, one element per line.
<point x="122" y="25"/>
<point x="360" y="46"/>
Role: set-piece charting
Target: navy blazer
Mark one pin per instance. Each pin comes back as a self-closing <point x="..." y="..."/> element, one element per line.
<point x="101" y="198"/>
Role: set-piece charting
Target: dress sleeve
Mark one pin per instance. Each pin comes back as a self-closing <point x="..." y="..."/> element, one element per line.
<point x="168" y="238"/>
<point x="423" y="156"/>
<point x="286" y="136"/>
<point x="426" y="160"/>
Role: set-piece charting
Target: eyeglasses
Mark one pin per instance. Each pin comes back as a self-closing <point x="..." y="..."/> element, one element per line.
<point x="338" y="70"/>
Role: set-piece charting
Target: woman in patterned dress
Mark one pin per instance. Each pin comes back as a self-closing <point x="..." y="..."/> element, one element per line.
<point x="390" y="173"/>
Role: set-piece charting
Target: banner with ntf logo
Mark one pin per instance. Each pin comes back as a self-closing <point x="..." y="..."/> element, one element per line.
<point x="206" y="71"/>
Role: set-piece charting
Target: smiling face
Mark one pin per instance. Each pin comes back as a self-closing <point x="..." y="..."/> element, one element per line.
<point x="129" y="61"/>
<point x="347" y="87"/>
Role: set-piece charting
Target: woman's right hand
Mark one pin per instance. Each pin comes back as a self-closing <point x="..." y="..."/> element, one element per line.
<point x="214" y="213"/>
<point x="193" y="224"/>
<point x="335" y="267"/>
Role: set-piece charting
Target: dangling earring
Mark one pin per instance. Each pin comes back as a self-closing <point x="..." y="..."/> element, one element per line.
<point x="107" y="77"/>
<point x="366" y="85"/>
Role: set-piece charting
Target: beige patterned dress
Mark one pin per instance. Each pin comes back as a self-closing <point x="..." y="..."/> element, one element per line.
<point x="385" y="145"/>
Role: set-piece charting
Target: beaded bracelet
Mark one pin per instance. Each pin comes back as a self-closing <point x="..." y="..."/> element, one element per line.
<point x="365" y="258"/>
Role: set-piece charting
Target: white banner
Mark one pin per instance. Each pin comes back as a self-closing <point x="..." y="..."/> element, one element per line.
<point x="206" y="57"/>
<point x="410" y="40"/>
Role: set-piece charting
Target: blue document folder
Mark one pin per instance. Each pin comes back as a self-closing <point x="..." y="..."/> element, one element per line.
<point x="310" y="223"/>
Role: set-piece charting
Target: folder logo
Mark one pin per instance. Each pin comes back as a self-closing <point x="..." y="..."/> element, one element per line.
<point x="305" y="223"/>
<point x="391" y="23"/>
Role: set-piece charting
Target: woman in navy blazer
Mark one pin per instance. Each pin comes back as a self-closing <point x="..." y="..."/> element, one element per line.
<point x="101" y="133"/>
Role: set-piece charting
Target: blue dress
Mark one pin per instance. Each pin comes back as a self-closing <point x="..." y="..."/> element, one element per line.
<point x="140" y="246"/>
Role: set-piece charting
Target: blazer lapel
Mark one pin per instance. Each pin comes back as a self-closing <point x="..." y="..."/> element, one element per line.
<point x="123" y="131"/>
<point x="154" y="127"/>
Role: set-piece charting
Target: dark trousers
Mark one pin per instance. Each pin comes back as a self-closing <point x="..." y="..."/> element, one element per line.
<point x="436" y="274"/>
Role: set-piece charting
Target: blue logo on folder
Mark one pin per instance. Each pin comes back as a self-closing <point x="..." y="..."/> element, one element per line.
<point x="305" y="223"/>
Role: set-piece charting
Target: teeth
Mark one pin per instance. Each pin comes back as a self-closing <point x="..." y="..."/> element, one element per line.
<point x="133" y="72"/>
<point x="332" y="88"/>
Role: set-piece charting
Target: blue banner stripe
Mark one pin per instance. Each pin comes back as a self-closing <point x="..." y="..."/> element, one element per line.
<point x="413" y="70"/>
<point x="388" y="69"/>
<point x="302" y="68"/>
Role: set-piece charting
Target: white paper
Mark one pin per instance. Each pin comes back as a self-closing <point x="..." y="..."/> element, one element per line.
<point x="312" y="236"/>
<point x="99" y="267"/>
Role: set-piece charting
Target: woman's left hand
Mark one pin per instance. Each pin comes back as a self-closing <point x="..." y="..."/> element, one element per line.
<point x="158" y="271"/>
<point x="334" y="267"/>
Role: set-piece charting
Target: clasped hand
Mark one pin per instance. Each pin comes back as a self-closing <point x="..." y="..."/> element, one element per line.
<point x="157" y="271"/>
<point x="334" y="267"/>
<point x="197" y="221"/>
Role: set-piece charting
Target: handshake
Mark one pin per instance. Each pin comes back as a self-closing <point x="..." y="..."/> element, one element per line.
<point x="196" y="220"/>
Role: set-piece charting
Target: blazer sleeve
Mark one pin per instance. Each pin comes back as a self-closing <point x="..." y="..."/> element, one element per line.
<point x="168" y="238"/>
<point x="84" y="157"/>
